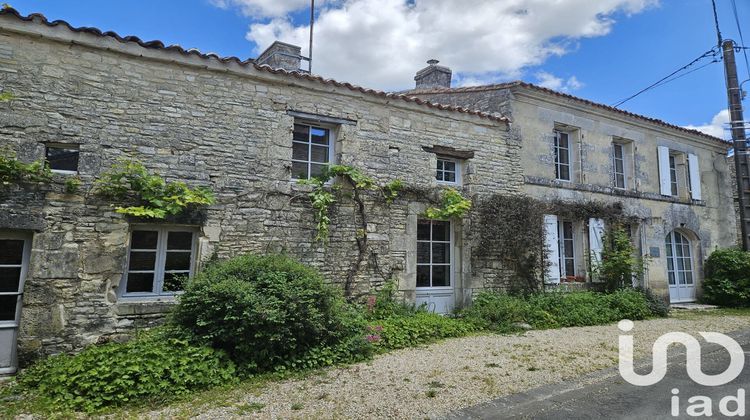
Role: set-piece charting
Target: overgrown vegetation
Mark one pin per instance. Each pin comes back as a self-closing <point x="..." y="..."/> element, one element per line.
<point x="154" y="197"/>
<point x="72" y="185"/>
<point x="503" y="313"/>
<point x="269" y="311"/>
<point x="619" y="265"/>
<point x="13" y="171"/>
<point x="727" y="280"/>
<point x="454" y="206"/>
<point x="6" y="96"/>
<point x="153" y="367"/>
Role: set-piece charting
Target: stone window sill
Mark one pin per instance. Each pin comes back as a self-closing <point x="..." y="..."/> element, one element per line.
<point x="145" y="307"/>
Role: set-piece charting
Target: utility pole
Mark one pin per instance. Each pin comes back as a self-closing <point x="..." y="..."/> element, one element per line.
<point x="737" y="124"/>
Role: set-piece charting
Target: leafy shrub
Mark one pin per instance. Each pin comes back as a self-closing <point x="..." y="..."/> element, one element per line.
<point x="14" y="171"/>
<point x="727" y="281"/>
<point x="657" y="305"/>
<point x="498" y="311"/>
<point x="155" y="366"/>
<point x="399" y="331"/>
<point x="386" y="303"/>
<point x="266" y="311"/>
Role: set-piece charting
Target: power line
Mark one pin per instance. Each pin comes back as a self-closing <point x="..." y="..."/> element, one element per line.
<point x="716" y="22"/>
<point x="742" y="40"/>
<point x="668" y="78"/>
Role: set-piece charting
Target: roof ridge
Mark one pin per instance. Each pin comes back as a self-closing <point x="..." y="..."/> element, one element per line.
<point x="159" y="45"/>
<point x="521" y="83"/>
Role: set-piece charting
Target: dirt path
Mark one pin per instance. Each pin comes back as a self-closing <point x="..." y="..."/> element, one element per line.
<point x="431" y="381"/>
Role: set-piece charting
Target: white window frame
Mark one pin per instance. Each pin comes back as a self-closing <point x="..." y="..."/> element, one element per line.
<point x="451" y="263"/>
<point x="48" y="146"/>
<point x="157" y="289"/>
<point x="24" y="266"/>
<point x="561" y="246"/>
<point x="558" y="165"/>
<point x="457" y="173"/>
<point x="309" y="162"/>
<point x="623" y="161"/>
<point x="674" y="184"/>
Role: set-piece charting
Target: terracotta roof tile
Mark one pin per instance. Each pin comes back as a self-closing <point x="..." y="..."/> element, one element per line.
<point x="158" y="45"/>
<point x="519" y="83"/>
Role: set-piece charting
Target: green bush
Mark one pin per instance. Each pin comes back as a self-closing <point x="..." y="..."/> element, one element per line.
<point x="266" y="311"/>
<point x="153" y="367"/>
<point x="499" y="312"/>
<point x="422" y="327"/>
<point x="727" y="280"/>
<point x="386" y="303"/>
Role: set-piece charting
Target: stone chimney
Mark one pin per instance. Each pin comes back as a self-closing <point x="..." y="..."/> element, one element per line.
<point x="281" y="55"/>
<point x="433" y="76"/>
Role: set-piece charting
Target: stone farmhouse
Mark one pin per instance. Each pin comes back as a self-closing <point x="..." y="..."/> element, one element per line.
<point x="673" y="184"/>
<point x="74" y="272"/>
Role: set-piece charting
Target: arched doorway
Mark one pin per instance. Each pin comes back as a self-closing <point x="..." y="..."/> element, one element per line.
<point x="680" y="267"/>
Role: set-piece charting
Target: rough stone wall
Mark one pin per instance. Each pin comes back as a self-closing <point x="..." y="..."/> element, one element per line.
<point x="230" y="131"/>
<point x="709" y="222"/>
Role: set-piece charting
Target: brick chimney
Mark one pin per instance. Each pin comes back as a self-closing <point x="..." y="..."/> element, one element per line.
<point x="281" y="55"/>
<point x="433" y="76"/>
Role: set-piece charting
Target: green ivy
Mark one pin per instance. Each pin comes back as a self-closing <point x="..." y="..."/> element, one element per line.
<point x="454" y="206"/>
<point x="14" y="171"/>
<point x="6" y="96"/>
<point x="321" y="197"/>
<point x="619" y="263"/>
<point x="129" y="179"/>
<point x="72" y="185"/>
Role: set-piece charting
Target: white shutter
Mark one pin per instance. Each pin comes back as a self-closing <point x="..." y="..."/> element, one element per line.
<point x="695" y="176"/>
<point x="665" y="178"/>
<point x="553" y="252"/>
<point x="596" y="240"/>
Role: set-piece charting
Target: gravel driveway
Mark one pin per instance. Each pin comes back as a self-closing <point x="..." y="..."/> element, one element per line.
<point x="457" y="373"/>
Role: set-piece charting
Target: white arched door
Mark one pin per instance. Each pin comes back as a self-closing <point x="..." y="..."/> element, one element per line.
<point x="680" y="270"/>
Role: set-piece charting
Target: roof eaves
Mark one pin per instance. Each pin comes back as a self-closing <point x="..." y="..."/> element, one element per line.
<point x="158" y="45"/>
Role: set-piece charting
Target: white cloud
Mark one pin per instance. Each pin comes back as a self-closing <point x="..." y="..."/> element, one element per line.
<point x="716" y="126"/>
<point x="550" y="81"/>
<point x="382" y="43"/>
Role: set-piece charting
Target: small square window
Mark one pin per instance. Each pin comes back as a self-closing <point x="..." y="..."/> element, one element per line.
<point x="62" y="158"/>
<point x="448" y="170"/>
<point x="312" y="150"/>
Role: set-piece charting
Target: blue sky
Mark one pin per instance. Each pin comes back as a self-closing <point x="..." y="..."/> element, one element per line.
<point x="603" y="55"/>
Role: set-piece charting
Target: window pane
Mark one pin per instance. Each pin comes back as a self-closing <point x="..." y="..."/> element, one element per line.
<point x="440" y="164"/>
<point x="563" y="158"/>
<point x="8" y="307"/>
<point x="568" y="246"/>
<point x="423" y="252"/>
<point x="177" y="261"/>
<point x="440" y="276"/>
<point x="440" y="176"/>
<point x="423" y="276"/>
<point x="144" y="239"/>
<point x="142" y="261"/>
<point x="449" y="177"/>
<point x="568" y="230"/>
<point x="570" y="268"/>
<point x="299" y="170"/>
<point x="180" y="240"/>
<point x="10" y="278"/>
<point x="688" y="277"/>
<point x="441" y="253"/>
<point x="63" y="159"/>
<point x="300" y="151"/>
<point x="618" y="152"/>
<point x="174" y="282"/>
<point x="563" y="140"/>
<point x="11" y="251"/>
<point x="671" y="277"/>
<point x="564" y="173"/>
<point x="301" y="133"/>
<point x="423" y="230"/>
<point x="140" y="282"/>
<point x="441" y="231"/>
<point x="319" y="135"/>
<point x="450" y="166"/>
<point x="316" y="169"/>
<point x="319" y="154"/>
<point x="620" y="181"/>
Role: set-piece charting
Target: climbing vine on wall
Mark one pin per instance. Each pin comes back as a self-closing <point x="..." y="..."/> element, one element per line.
<point x="152" y="196"/>
<point x="13" y="171"/>
<point x="512" y="232"/>
<point x="453" y="206"/>
<point x="323" y="196"/>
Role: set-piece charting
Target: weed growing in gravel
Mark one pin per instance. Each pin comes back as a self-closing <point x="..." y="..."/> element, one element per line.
<point x="297" y="406"/>
<point x="249" y="408"/>
<point x="431" y="393"/>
